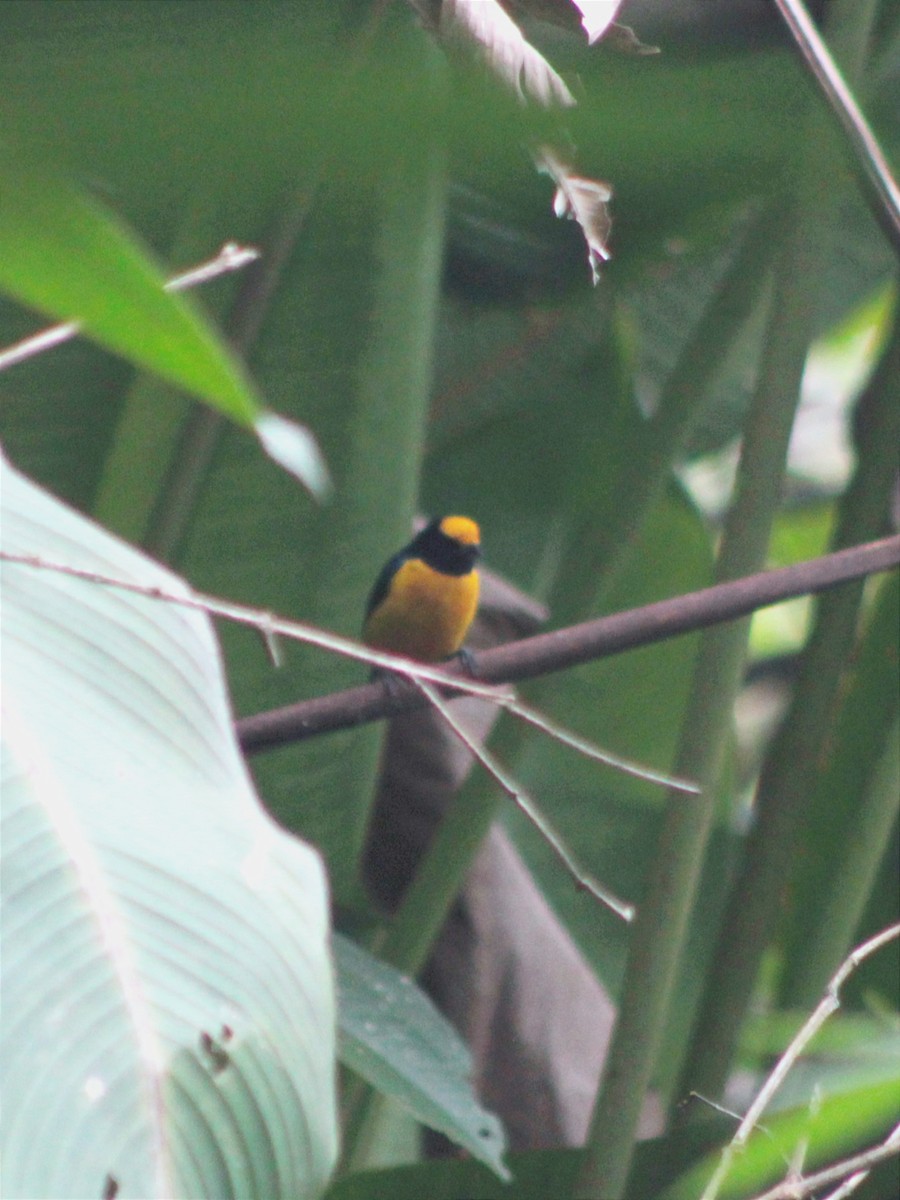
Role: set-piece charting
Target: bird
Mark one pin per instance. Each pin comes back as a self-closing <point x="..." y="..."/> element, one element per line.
<point x="426" y="595"/>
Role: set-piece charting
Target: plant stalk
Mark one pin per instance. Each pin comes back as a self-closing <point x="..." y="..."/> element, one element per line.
<point x="794" y="760"/>
<point x="661" y="927"/>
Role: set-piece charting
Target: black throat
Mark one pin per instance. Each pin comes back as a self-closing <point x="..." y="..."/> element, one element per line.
<point x="443" y="553"/>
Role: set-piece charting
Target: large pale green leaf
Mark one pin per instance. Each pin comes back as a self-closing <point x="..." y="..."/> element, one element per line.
<point x="168" y="1001"/>
<point x="394" y="1037"/>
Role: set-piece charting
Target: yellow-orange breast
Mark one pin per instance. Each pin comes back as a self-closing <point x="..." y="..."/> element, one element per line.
<point x="425" y="614"/>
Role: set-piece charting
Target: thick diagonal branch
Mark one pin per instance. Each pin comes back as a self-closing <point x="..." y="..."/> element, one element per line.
<point x="577" y="644"/>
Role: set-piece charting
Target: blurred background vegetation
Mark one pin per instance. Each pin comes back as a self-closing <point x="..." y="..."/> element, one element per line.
<point x="420" y="309"/>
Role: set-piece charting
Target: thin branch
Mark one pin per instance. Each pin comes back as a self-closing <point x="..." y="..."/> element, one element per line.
<point x="880" y="184"/>
<point x="851" y="1170"/>
<point x="188" y="463"/>
<point x="829" y="1003"/>
<point x="849" y="1186"/>
<point x="268" y="624"/>
<point x="230" y="258"/>
<point x="526" y="659"/>
<point x="565" y="736"/>
<point x="526" y="805"/>
<point x="564" y="648"/>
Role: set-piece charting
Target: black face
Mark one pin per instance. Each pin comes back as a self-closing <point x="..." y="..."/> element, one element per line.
<point x="444" y="553"/>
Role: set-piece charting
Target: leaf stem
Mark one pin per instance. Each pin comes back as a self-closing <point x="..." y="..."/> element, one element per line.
<point x="662" y="922"/>
<point x="880" y="186"/>
<point x="794" y="759"/>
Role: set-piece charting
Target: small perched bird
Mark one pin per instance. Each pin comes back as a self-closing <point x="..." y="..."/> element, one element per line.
<point x="425" y="597"/>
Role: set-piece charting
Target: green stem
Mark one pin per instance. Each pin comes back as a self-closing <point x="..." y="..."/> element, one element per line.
<point x="417" y="923"/>
<point x="181" y="473"/>
<point x="398" y="360"/>
<point x="439" y="878"/>
<point x="660" y="930"/>
<point x="441" y="875"/>
<point x="603" y="546"/>
<point x="841" y="818"/>
<point x="794" y="761"/>
<point x="188" y="468"/>
<point x="851" y="883"/>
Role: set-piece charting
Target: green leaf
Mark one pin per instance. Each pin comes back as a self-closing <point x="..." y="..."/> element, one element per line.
<point x="630" y="705"/>
<point x="847" y="828"/>
<point x="393" y="1037"/>
<point x="350" y="338"/>
<point x="842" y="1124"/>
<point x="63" y="254"/>
<point x="537" y="1174"/>
<point x="168" y="1004"/>
<point x="869" y="1039"/>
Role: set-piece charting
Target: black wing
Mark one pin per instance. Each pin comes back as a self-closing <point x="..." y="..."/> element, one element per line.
<point x="383" y="583"/>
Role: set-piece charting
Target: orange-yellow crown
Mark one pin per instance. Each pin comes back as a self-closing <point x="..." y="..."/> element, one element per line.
<point x="461" y="529"/>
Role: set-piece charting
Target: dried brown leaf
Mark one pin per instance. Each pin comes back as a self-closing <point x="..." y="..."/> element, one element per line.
<point x="626" y="41"/>
<point x="583" y="200"/>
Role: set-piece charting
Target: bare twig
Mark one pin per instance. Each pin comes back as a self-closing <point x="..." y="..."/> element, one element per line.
<point x="851" y="1170"/>
<point x="830" y="1003"/>
<point x="268" y="624"/>
<point x="720" y="1108"/>
<point x="880" y="184"/>
<point x="847" y="1187"/>
<point x="525" y="659"/>
<point x="565" y="736"/>
<point x="230" y="258"/>
<point x="526" y="805"/>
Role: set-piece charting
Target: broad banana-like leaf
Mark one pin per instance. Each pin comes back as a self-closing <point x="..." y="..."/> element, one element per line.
<point x="168" y="1024"/>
